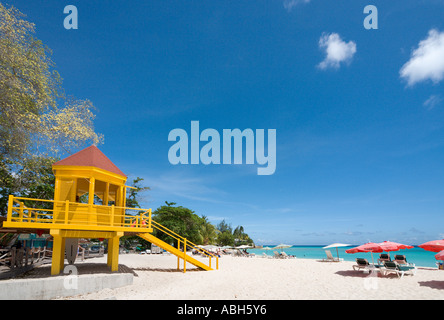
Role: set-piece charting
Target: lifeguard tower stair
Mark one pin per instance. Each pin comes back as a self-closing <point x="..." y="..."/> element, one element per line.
<point x="180" y="254"/>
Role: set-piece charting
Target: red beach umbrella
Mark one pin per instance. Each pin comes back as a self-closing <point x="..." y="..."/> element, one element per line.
<point x="434" y="246"/>
<point x="393" y="246"/>
<point x="440" y="255"/>
<point x="368" y="247"/>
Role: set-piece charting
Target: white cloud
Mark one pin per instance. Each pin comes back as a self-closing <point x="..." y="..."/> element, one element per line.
<point x="432" y="101"/>
<point x="336" y="50"/>
<point x="427" y="61"/>
<point x="290" y="4"/>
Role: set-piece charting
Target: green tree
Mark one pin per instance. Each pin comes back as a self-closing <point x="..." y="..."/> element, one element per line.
<point x="229" y="237"/>
<point x="134" y="194"/>
<point x="207" y="231"/>
<point x="180" y="220"/>
<point x="225" y="238"/>
<point x="223" y="226"/>
<point x="34" y="179"/>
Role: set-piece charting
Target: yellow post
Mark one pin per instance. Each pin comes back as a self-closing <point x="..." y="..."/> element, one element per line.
<point x="217" y="263"/>
<point x="112" y="215"/>
<point x="55" y="213"/>
<point x="91" y="217"/>
<point x="106" y="195"/>
<point x="110" y="252"/>
<point x="21" y="211"/>
<point x="178" y="259"/>
<point x="114" y="251"/>
<point x="58" y="252"/>
<point x="66" y="211"/>
<point x="10" y="204"/>
<point x="184" y="255"/>
<point x="124" y="196"/>
<point x="92" y="183"/>
<point x="149" y="219"/>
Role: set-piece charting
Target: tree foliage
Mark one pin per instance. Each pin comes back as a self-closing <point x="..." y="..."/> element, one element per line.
<point x="228" y="237"/>
<point x="34" y="179"/>
<point x="32" y="122"/>
<point x="37" y="121"/>
<point x="134" y="195"/>
<point x="180" y="220"/>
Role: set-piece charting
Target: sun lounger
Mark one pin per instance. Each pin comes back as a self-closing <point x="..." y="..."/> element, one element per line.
<point x="284" y="255"/>
<point x="330" y="257"/>
<point x="278" y="255"/>
<point x="400" y="259"/>
<point x="384" y="257"/>
<point x="361" y="264"/>
<point x="399" y="270"/>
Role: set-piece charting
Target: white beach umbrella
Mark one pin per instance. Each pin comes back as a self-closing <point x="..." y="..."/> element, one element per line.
<point x="336" y="245"/>
<point x="244" y="246"/>
<point x="210" y="246"/>
<point x="282" y="246"/>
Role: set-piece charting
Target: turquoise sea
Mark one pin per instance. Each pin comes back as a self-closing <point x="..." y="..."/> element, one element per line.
<point x="418" y="256"/>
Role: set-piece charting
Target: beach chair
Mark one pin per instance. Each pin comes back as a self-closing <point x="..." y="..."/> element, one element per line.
<point x="384" y="257"/>
<point x="399" y="270"/>
<point x="330" y="257"/>
<point x="277" y="255"/>
<point x="400" y="259"/>
<point x="361" y="264"/>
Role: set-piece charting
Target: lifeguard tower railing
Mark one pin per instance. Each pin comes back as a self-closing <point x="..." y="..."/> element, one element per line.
<point x="28" y="213"/>
<point x="50" y="214"/>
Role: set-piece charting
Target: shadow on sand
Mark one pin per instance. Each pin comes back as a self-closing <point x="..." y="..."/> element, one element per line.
<point x="167" y="269"/>
<point x="82" y="269"/>
<point x="432" y="284"/>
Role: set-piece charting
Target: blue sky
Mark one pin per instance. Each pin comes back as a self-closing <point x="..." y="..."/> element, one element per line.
<point x="359" y="114"/>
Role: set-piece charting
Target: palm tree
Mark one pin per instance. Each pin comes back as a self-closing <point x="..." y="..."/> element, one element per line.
<point x="207" y="231"/>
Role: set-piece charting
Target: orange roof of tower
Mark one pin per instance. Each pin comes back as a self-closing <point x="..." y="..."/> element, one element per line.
<point x="90" y="157"/>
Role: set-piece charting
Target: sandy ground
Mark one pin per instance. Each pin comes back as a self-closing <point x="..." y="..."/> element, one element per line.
<point x="156" y="277"/>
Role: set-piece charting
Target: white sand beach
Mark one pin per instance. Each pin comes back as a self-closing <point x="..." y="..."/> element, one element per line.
<point x="261" y="278"/>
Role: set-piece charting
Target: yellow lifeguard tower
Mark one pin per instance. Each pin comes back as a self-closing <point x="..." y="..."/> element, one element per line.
<point x="90" y="202"/>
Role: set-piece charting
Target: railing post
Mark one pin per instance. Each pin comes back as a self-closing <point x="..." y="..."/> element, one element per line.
<point x="149" y="219"/>
<point x="66" y="211"/>
<point x="178" y="259"/>
<point x="21" y="212"/>
<point x="112" y="215"/>
<point x="10" y="204"/>
<point x="184" y="255"/>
